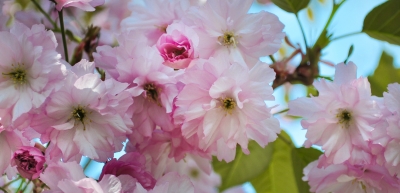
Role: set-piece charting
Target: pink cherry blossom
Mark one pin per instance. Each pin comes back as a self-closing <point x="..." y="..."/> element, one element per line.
<point x="226" y="27"/>
<point x="153" y="85"/>
<point x="87" y="117"/>
<point x="30" y="70"/>
<point x="341" y="119"/>
<point x="154" y="25"/>
<point x="132" y="164"/>
<point x="222" y="105"/>
<point x="10" y="141"/>
<point x="177" y="46"/>
<point x="29" y="161"/>
<point x="86" y="5"/>
<point x="58" y="171"/>
<point x="171" y="182"/>
<point x="343" y="178"/>
<point x="391" y="139"/>
<point x="109" y="184"/>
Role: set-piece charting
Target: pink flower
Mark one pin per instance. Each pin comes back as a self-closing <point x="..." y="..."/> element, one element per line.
<point x="348" y="178"/>
<point x="109" y="184"/>
<point x="87" y="117"/>
<point x="171" y="182"/>
<point x="29" y="161"/>
<point x="30" y="70"/>
<point x="341" y="119"/>
<point x="154" y="25"/>
<point x="176" y="48"/>
<point x="132" y="164"/>
<point x="86" y="5"/>
<point x="153" y="85"/>
<point x="222" y="105"/>
<point x="226" y="27"/>
<point x="391" y="139"/>
<point x="10" y="141"/>
<point x="58" y="171"/>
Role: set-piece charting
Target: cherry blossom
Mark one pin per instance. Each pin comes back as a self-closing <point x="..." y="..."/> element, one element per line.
<point x="30" y="70"/>
<point x="86" y="5"/>
<point x="225" y="27"/>
<point x="342" y="117"/>
<point x="222" y="105"/>
<point x="88" y="117"/>
<point x="29" y="161"/>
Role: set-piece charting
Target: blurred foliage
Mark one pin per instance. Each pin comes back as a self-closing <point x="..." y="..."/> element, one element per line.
<point x="291" y="6"/>
<point x="384" y="74"/>
<point x="243" y="167"/>
<point x="383" y="22"/>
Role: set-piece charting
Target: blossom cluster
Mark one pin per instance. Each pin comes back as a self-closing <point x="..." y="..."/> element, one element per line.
<point x="180" y="86"/>
<point x="359" y="134"/>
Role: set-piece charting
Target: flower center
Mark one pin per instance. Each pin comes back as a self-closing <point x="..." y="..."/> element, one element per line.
<point x="152" y="92"/>
<point x="344" y="118"/>
<point x="26" y="161"/>
<point x="80" y="114"/>
<point x="194" y="173"/>
<point x="17" y="74"/>
<point x="228" y="104"/>
<point x="228" y="39"/>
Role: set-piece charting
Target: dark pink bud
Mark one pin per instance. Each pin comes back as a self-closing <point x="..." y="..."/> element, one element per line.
<point x="29" y="162"/>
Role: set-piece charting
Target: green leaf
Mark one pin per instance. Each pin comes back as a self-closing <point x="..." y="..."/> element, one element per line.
<point x="291" y="6"/>
<point x="279" y="177"/>
<point x="349" y="54"/>
<point x="383" y="22"/>
<point x="244" y="167"/>
<point x="301" y="157"/>
<point x="384" y="74"/>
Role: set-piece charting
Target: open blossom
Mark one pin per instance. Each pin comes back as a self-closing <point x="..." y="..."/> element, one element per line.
<point x="341" y="119"/>
<point x="29" y="161"/>
<point x="226" y="27"/>
<point x="171" y="182"/>
<point x="169" y="147"/>
<point x="391" y="143"/>
<point x="86" y="5"/>
<point x="347" y="178"/>
<point x="87" y="117"/>
<point x="177" y="46"/>
<point x="132" y="164"/>
<point x="10" y="141"/>
<point x="222" y="105"/>
<point x="153" y="85"/>
<point x="30" y="70"/>
<point x="69" y="177"/>
<point x="154" y="25"/>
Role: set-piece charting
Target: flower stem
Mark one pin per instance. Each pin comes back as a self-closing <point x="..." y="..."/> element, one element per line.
<point x="26" y="185"/>
<point x="20" y="185"/>
<point x="346" y="35"/>
<point x="282" y="111"/>
<point x="272" y="58"/>
<point x="87" y="165"/>
<point x="4" y="190"/>
<point x="45" y="14"/>
<point x="302" y="30"/>
<point x="12" y="181"/>
<point x="60" y="14"/>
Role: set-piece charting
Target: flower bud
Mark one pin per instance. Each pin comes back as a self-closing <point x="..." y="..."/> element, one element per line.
<point x="29" y="162"/>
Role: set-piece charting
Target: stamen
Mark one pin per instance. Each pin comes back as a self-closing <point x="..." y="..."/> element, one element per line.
<point x="152" y="92"/>
<point x="228" y="104"/>
<point x="17" y="74"/>
<point x="228" y="39"/>
<point x="79" y="114"/>
<point x="344" y="118"/>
